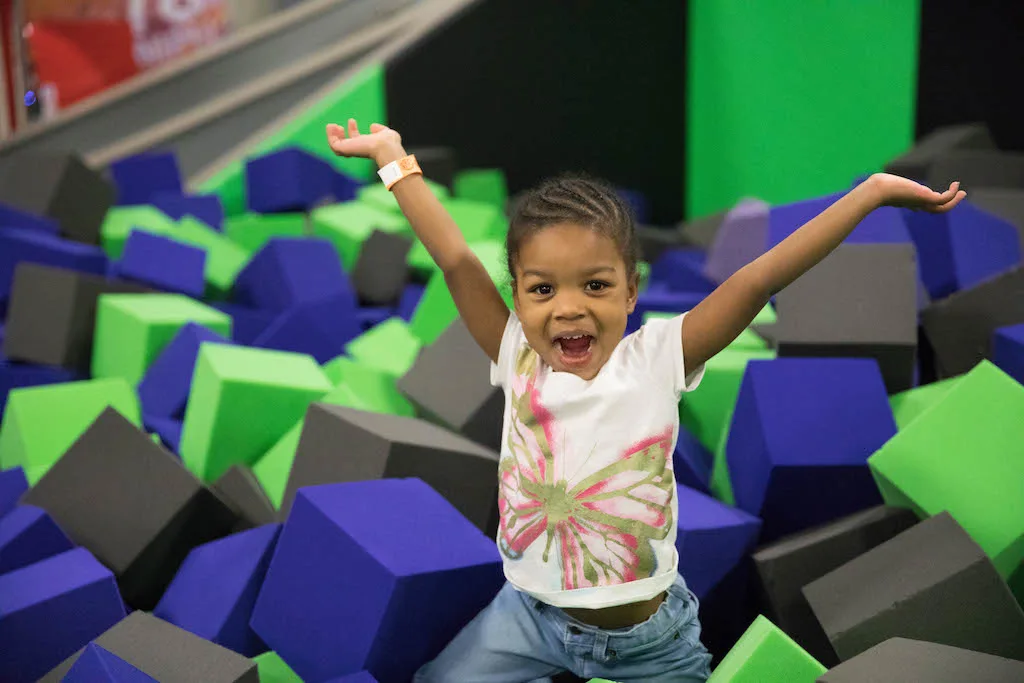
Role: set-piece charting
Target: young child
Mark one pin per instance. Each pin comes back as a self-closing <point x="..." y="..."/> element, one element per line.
<point x="586" y="489"/>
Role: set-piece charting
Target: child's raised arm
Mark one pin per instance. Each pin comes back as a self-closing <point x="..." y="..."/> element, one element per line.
<point x="477" y="299"/>
<point x="717" y="320"/>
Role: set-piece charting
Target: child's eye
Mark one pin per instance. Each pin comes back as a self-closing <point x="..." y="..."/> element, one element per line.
<point x="596" y="285"/>
<point x="543" y="290"/>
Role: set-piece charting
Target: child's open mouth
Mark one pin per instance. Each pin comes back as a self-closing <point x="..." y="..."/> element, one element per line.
<point x="574" y="350"/>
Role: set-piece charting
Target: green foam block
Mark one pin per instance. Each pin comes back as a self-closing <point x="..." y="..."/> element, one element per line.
<point x="348" y="224"/>
<point x="132" y="330"/>
<point x="482" y="185"/>
<point x="390" y="347"/>
<point x="250" y="231"/>
<point x="272" y="669"/>
<point x="121" y="220"/>
<point x="41" y="423"/>
<point x="965" y="455"/>
<point x="477" y="221"/>
<point x="380" y="197"/>
<point x="764" y="654"/>
<point x="242" y="401"/>
<point x="224" y="258"/>
<point x="908" y="405"/>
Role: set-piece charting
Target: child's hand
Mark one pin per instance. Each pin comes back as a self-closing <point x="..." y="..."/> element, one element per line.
<point x="383" y="145"/>
<point x="906" y="194"/>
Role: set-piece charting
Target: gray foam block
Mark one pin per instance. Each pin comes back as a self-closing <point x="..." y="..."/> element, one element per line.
<point x="439" y="164"/>
<point x="959" y="328"/>
<point x="380" y="273"/>
<point x="860" y="301"/>
<point x="1006" y="203"/>
<point x="51" y="317"/>
<point x="242" y="493"/>
<point x="901" y="660"/>
<point x="932" y="582"/>
<point x="786" y="566"/>
<point x="700" y="232"/>
<point x="450" y="385"/>
<point x="654" y="241"/>
<point x="61" y="187"/>
<point x="917" y="161"/>
<point x="342" y="445"/>
<point x="742" y="237"/>
<point x="167" y="653"/>
<point x="977" y="168"/>
<point x="132" y="504"/>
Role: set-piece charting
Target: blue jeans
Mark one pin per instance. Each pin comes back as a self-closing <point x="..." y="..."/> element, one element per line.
<point x="518" y="639"/>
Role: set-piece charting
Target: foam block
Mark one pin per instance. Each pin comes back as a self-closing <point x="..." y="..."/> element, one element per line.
<point x="224" y="258"/>
<point x="711" y="539"/>
<point x="140" y="176"/>
<point x="344" y="558"/>
<point x="242" y="401"/>
<point x="15" y="375"/>
<point x="1008" y="350"/>
<point x="691" y="462"/>
<point x="50" y="609"/>
<point x="410" y="299"/>
<point x="681" y="270"/>
<point x="349" y="224"/>
<point x="765" y="654"/>
<point x="917" y="161"/>
<point x="390" y="347"/>
<point x="482" y="185"/>
<point x="132" y="504"/>
<point x="289" y="179"/>
<point x="960" y="327"/>
<point x="907" y="405"/>
<point x="60" y="186"/>
<point x="207" y="208"/>
<point x="164" y="389"/>
<point x="288" y="271"/>
<point x="27" y="535"/>
<point x="358" y="677"/>
<point x="801" y="434"/>
<point x="931" y="582"/>
<point x="369" y="317"/>
<point x="786" y="566"/>
<point x="11" y="217"/>
<point x="51" y="317"/>
<point x="97" y="665"/>
<point x="167" y="429"/>
<point x="860" y="301"/>
<point x="247" y="323"/>
<point x="439" y="164"/>
<point x="378" y="196"/>
<point x="213" y="593"/>
<point x="12" y="485"/>
<point x="273" y="669"/>
<point x="449" y="384"/>
<point x="19" y="245"/>
<point x="925" y="466"/>
<point x="741" y="238"/>
<point x="902" y="660"/>
<point x="659" y="299"/>
<point x="1005" y="203"/>
<point x="252" y="230"/>
<point x="318" y="327"/>
<point x="978" y="168"/>
<point x="163" y="263"/>
<point x="391" y="446"/>
<point x="380" y="272"/>
<point x="166" y="653"/>
<point x="700" y="232"/>
<point x="241" y="491"/>
<point x="656" y="240"/>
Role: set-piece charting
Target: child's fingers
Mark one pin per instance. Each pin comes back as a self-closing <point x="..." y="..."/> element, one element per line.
<point x="353" y="128"/>
<point x="376" y="127"/>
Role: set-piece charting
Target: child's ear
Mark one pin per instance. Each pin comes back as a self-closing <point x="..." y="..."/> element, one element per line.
<point x="633" y="291"/>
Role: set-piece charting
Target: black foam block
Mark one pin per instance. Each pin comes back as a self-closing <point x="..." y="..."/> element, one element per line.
<point x="51" y="317"/>
<point x="380" y="273"/>
<point x="959" y="328"/>
<point x="241" y="491"/>
<point x="1006" y="203"/>
<point x="932" y="582"/>
<point x="700" y="232"/>
<point x="917" y="161"/>
<point x="63" y="188"/>
<point x="450" y="385"/>
<point x="789" y="564"/>
<point x="654" y="241"/>
<point x="132" y="504"/>
<point x="901" y="660"/>
<point x="342" y="444"/>
<point x="977" y="168"/>
<point x="439" y="164"/>
<point x="167" y="654"/>
<point x="860" y="301"/>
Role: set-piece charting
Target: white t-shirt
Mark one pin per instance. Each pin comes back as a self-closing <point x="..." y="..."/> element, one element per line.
<point x="587" y="494"/>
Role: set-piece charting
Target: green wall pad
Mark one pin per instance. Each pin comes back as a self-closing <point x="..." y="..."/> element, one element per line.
<point x="41" y="423"/>
<point x="250" y="231"/>
<point x="908" y="405"/>
<point x="242" y="401"/>
<point x="361" y="97"/>
<point x="965" y="456"/>
<point x="482" y="185"/>
<point x="764" y="654"/>
<point x="132" y="330"/>
<point x="348" y="224"/>
<point x="390" y="347"/>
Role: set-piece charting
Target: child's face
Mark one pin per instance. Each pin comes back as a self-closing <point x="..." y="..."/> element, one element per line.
<point x="571" y="282"/>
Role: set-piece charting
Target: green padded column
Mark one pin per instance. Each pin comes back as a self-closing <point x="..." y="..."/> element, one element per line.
<point x="242" y="401"/>
<point x="908" y="405"/>
<point x="132" y="330"/>
<point x="250" y="231"/>
<point x="764" y="654"/>
<point x="965" y="455"/>
<point x="790" y="100"/>
<point x="272" y="669"/>
<point x="482" y="185"/>
<point x="41" y="423"/>
<point x="121" y="220"/>
<point x="360" y="97"/>
<point x="390" y="347"/>
<point x="348" y="224"/>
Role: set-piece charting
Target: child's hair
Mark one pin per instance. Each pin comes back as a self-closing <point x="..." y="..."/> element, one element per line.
<point x="573" y="199"/>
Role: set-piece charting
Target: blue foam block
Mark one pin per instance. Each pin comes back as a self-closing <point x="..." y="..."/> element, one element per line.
<point x="290" y="270"/>
<point x="659" y="298"/>
<point x="164" y="389"/>
<point x="346" y="188"/>
<point x="390" y="561"/>
<point x="288" y="180"/>
<point x="138" y="177"/>
<point x="1008" y="351"/>
<point x="691" y="461"/>
<point x="360" y="677"/>
<point x="97" y="665"/>
<point x="13" y="484"/>
<point x="27" y="535"/>
<point x="884" y="225"/>
<point x="371" y="316"/>
<point x="800" y="437"/>
<point x="711" y="538"/>
<point x="11" y="217"/>
<point x="24" y="244"/>
<point x="167" y="428"/>
<point x="411" y="296"/>
<point x="51" y="609"/>
<point x="14" y="374"/>
<point x="318" y="328"/>
<point x="163" y="263"/>
<point x="638" y="204"/>
<point x="681" y="270"/>
<point x="214" y="591"/>
<point x="205" y="207"/>
<point x="961" y="248"/>
<point x="247" y="323"/>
